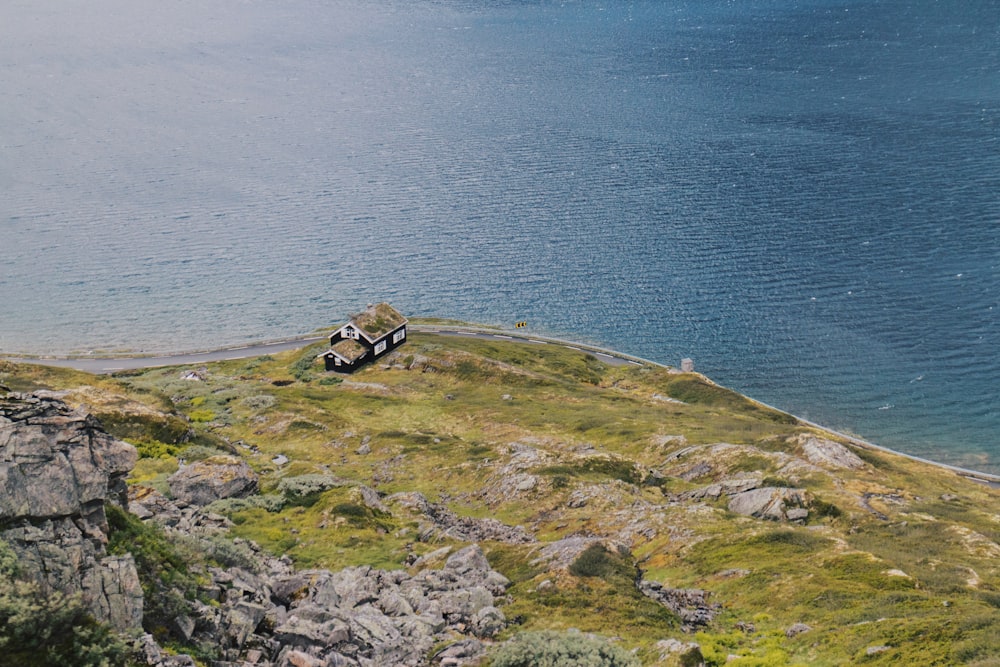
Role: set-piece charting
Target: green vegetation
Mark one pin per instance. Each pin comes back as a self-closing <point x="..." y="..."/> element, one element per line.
<point x="164" y="565"/>
<point x="41" y="630"/>
<point x="597" y="561"/>
<point x="551" y="649"/>
<point x="897" y="554"/>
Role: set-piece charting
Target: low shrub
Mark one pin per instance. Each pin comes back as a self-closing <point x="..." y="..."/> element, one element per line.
<point x="38" y="629"/>
<point x="553" y="649"/>
<point x="305" y="490"/>
<point x="303" y="485"/>
<point x="198" y="453"/>
<point x="166" y="428"/>
<point x="597" y="561"/>
<point x="201" y="415"/>
<point x="596" y="468"/>
<point x="302" y="368"/>
<point x="259" y="401"/>
<point x="227" y="553"/>
<point x="821" y="508"/>
<point x="168" y="584"/>
<point x="270" y="502"/>
<point x="154" y="449"/>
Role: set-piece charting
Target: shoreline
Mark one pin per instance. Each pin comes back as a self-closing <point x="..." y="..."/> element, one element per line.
<point x="134" y="361"/>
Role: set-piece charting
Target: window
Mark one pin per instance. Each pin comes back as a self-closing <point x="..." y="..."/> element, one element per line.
<point x="380" y="348"/>
<point x="349" y="332"/>
<point x="398" y="336"/>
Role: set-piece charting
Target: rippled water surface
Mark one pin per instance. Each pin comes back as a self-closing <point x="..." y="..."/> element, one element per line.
<point x="802" y="196"/>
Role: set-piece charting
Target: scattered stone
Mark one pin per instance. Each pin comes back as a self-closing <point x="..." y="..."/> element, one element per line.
<point x="797" y="629"/>
<point x="948" y="497"/>
<point x="797" y="514"/>
<point x="690" y="604"/>
<point x="147" y="503"/>
<point x="887" y="498"/>
<point x="300" y="659"/>
<point x="448" y="524"/>
<point x="464" y="652"/>
<point x="279" y="460"/>
<point x="732" y="573"/>
<point x="875" y="650"/>
<point x="506" y="397"/>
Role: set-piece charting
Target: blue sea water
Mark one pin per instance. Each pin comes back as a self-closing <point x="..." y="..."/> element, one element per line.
<point x="801" y="195"/>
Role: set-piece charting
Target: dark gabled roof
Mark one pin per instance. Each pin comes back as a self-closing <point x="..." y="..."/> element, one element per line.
<point x="378" y="320"/>
<point x="349" y="350"/>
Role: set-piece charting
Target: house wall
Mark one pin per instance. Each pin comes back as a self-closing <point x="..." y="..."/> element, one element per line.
<point x="388" y="338"/>
<point x="330" y="363"/>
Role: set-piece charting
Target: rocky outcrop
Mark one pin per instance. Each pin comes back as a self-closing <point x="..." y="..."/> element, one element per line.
<point x="148" y="503"/>
<point x="447" y="524"/>
<point x="355" y="617"/>
<point x="690" y="604"/>
<point x="778" y="504"/>
<point x="562" y="553"/>
<point x="828" y="453"/>
<point x="57" y="469"/>
<point x="215" y="478"/>
<point x="727" y="487"/>
<point x="269" y="615"/>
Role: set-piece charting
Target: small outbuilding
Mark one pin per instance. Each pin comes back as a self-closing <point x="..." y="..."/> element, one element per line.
<point x="366" y="337"/>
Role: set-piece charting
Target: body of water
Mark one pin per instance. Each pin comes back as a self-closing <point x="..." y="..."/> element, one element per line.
<point x="802" y="196"/>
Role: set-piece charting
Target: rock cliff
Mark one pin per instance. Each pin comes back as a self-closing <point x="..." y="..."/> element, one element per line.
<point x="57" y="469"/>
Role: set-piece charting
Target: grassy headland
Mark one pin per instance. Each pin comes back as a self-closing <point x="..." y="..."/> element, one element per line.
<point x="893" y="562"/>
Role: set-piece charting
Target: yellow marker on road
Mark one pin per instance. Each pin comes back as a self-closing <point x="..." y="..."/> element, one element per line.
<point x="521" y="325"/>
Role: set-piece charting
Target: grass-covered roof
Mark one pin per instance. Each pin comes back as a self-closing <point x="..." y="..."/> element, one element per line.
<point x="378" y="320"/>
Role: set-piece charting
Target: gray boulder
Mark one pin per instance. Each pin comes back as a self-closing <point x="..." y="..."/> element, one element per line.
<point x="464" y="652"/>
<point x="488" y="622"/>
<point x="215" y="478"/>
<point x="767" y="502"/>
<point x="302" y="633"/>
<point x="469" y="559"/>
<point x="828" y="453"/>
